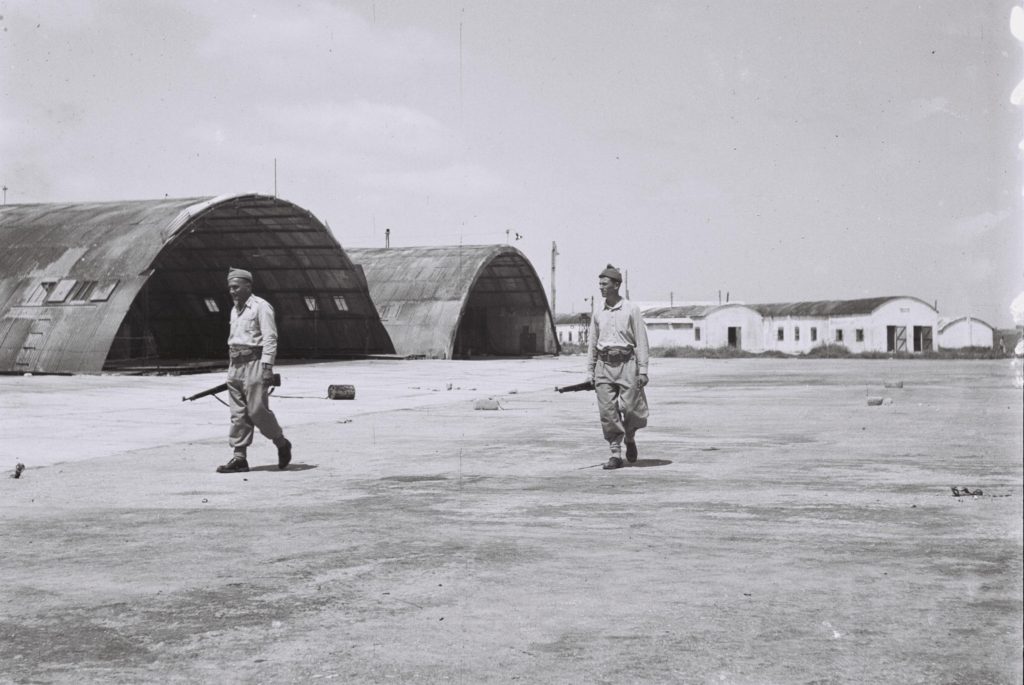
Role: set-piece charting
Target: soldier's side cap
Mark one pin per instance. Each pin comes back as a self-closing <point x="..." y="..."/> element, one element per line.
<point x="612" y="273"/>
<point x="239" y="273"/>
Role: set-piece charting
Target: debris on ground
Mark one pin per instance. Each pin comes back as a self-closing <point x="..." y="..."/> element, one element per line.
<point x="894" y="384"/>
<point x="966" y="492"/>
<point x="341" y="392"/>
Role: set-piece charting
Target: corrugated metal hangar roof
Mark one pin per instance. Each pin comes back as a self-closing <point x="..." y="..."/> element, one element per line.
<point x="88" y="285"/>
<point x="459" y="301"/>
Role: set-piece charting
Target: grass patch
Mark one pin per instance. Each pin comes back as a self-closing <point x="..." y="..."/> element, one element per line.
<point x="827" y="351"/>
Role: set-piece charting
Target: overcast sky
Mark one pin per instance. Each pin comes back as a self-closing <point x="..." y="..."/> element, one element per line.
<point x="777" y="151"/>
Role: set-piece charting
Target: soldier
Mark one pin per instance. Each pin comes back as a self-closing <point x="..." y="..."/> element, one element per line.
<point x="617" y="365"/>
<point x="252" y="346"/>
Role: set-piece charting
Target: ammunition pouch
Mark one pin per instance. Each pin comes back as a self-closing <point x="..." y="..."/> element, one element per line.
<point x="615" y="355"/>
<point x="242" y="354"/>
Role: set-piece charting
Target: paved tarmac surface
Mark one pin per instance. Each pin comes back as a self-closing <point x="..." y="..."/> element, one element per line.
<point x="777" y="530"/>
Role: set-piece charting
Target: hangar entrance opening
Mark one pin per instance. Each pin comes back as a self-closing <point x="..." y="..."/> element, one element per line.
<point x="506" y="313"/>
<point x="181" y="314"/>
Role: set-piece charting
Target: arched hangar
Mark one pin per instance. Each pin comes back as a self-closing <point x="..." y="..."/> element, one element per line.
<point x="89" y="286"/>
<point x="459" y="301"/>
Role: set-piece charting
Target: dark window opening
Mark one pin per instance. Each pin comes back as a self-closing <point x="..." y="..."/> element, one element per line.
<point x="39" y="294"/>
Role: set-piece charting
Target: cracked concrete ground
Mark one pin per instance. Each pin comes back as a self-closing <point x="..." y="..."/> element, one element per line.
<point x="777" y="529"/>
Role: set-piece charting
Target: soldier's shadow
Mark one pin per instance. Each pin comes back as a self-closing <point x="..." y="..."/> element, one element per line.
<point x="291" y="467"/>
<point x="651" y="462"/>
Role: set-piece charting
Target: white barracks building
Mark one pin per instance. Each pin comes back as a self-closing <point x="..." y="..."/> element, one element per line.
<point x="878" y="324"/>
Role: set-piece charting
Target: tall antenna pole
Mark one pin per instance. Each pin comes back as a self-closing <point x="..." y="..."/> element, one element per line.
<point x="275" y="176"/>
<point x="5" y="194"/>
<point x="554" y="254"/>
<point x="625" y="273"/>
<point x="387" y="237"/>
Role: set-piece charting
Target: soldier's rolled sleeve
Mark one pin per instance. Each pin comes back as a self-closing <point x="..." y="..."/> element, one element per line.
<point x="592" y="347"/>
<point x="642" y="348"/>
<point x="268" y="330"/>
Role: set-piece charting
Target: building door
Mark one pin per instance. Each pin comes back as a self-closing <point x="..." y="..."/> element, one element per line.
<point x="922" y="338"/>
<point x="735" y="339"/>
<point x="896" y="338"/>
<point x="32" y="347"/>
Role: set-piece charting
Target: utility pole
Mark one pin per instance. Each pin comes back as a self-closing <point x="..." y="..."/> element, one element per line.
<point x="554" y="254"/>
<point x="671" y="298"/>
<point x="387" y="237"/>
<point x="275" y="176"/>
<point x="625" y="273"/>
<point x="5" y="194"/>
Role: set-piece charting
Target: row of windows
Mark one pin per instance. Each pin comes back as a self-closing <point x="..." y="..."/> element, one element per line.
<point x="311" y="302"/>
<point x="781" y="334"/>
<point x="69" y="291"/>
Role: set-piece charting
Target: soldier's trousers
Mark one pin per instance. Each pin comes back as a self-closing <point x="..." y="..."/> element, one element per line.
<point x="248" y="400"/>
<point x="620" y="400"/>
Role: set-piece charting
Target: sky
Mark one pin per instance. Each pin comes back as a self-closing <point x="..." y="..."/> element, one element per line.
<point x="768" y="151"/>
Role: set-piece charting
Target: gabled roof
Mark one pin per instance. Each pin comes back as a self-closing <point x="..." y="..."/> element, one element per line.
<point x="567" y="319"/>
<point x="679" y="312"/>
<point x="823" y="308"/>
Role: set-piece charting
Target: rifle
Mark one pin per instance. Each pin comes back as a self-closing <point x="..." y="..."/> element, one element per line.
<point x="586" y="385"/>
<point x="274" y="382"/>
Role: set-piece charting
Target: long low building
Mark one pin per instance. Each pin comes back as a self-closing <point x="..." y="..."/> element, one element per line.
<point x="879" y="324"/>
<point x="87" y="286"/>
<point x="459" y="301"/>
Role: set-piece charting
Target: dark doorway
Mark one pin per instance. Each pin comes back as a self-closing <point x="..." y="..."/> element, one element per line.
<point x="922" y="338"/>
<point x="735" y="339"/>
<point x="896" y="338"/>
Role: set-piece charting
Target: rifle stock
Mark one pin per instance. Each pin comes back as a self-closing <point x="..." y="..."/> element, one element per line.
<point x="586" y="385"/>
<point x="274" y="382"/>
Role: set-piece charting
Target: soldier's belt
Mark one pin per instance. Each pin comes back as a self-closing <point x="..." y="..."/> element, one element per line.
<point x="615" y="355"/>
<point x="244" y="353"/>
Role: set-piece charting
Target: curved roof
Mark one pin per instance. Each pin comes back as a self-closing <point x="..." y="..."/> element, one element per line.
<point x="423" y="293"/>
<point x="822" y="308"/>
<point x="946" y="323"/>
<point x="70" y="275"/>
